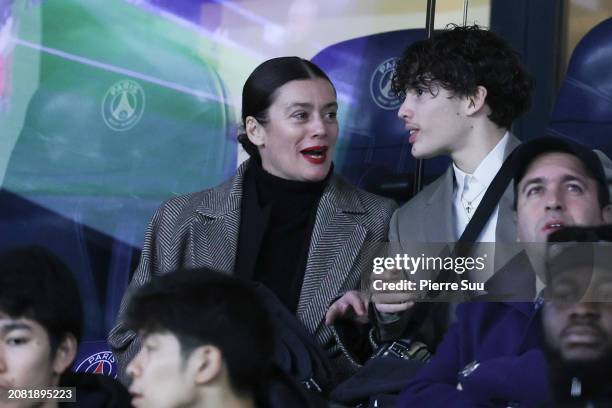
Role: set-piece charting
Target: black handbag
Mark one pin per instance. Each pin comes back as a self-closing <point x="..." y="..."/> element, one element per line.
<point x="296" y="354"/>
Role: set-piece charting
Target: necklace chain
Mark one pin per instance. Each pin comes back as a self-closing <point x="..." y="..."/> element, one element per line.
<point x="467" y="205"/>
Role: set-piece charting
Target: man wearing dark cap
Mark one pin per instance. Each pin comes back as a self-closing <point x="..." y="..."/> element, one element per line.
<point x="492" y="355"/>
<point x="573" y="173"/>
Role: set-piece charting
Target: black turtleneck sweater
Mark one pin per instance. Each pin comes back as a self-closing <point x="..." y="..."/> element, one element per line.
<point x="277" y="218"/>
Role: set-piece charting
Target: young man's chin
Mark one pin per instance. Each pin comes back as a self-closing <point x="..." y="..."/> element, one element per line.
<point x="422" y="151"/>
<point x="423" y="155"/>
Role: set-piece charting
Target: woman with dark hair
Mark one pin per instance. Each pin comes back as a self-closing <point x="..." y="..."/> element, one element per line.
<point x="284" y="219"/>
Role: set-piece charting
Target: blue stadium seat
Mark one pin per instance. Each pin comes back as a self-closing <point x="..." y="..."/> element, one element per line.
<point x="583" y="110"/>
<point x="373" y="150"/>
<point x="95" y="357"/>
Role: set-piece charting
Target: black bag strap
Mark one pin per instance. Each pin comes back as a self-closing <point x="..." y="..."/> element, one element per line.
<point x="482" y="214"/>
<point x="489" y="201"/>
<point x="491" y="198"/>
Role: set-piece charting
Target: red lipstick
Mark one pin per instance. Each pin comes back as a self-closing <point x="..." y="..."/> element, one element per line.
<point x="315" y="154"/>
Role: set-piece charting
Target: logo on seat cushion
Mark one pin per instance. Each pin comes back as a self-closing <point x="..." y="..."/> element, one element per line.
<point x="123" y="105"/>
<point x="380" y="86"/>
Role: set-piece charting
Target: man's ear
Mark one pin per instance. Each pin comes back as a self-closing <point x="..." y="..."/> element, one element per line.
<point x="476" y="102"/>
<point x="209" y="362"/>
<point x="606" y="214"/>
<point x="255" y="131"/>
<point x="65" y="354"/>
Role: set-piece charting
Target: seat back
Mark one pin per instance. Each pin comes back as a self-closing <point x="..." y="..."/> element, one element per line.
<point x="583" y="109"/>
<point x="373" y="150"/>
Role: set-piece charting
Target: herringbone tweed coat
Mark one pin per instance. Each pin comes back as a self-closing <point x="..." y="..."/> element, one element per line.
<point x="201" y="230"/>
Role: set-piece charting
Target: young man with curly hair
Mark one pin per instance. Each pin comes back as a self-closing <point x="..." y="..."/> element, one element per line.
<point x="463" y="88"/>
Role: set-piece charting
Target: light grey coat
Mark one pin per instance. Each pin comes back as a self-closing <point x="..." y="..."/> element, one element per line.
<point x="428" y="217"/>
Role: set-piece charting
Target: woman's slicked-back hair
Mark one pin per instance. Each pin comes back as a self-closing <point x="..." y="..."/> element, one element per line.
<point x="259" y="91"/>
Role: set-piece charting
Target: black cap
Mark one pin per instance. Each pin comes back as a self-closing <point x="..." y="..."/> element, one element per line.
<point x="527" y="152"/>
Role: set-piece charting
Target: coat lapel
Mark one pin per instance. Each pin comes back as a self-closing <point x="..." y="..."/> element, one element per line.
<point x="438" y="221"/>
<point x="214" y="229"/>
<point x="337" y="239"/>
<point x="505" y="231"/>
<point x="506" y="228"/>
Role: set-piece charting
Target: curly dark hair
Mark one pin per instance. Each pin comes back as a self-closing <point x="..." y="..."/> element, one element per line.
<point x="459" y="59"/>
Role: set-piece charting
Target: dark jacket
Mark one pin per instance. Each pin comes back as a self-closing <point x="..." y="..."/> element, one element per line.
<point x="493" y="352"/>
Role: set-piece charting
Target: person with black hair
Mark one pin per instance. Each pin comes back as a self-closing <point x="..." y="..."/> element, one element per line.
<point x="462" y="89"/>
<point x="285" y="219"/>
<point x="41" y="323"/>
<point x="207" y="342"/>
<point x="577" y="317"/>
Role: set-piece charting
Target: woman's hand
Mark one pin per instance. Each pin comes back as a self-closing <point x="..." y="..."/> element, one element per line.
<point x="352" y="305"/>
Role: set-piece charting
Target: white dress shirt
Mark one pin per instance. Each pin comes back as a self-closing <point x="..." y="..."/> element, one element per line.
<point x="470" y="188"/>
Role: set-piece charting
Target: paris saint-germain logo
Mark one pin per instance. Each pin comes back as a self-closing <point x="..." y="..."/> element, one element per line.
<point x="99" y="363"/>
<point x="380" y="86"/>
<point x="123" y="105"/>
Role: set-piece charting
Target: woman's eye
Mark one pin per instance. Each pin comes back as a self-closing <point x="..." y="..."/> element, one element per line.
<point x="331" y="115"/>
<point x="419" y="91"/>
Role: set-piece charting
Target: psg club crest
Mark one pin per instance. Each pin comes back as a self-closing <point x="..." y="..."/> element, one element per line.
<point x="123" y="105"/>
<point x="99" y="363"/>
<point x="380" y="86"/>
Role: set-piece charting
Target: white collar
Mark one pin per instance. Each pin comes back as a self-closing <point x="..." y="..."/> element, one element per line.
<point x="487" y="169"/>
